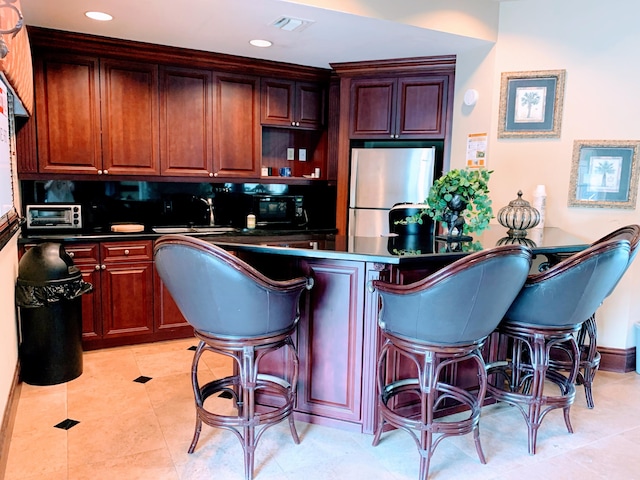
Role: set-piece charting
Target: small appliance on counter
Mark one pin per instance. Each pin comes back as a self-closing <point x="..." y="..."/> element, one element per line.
<point x="278" y="211"/>
<point x="54" y="216"/>
<point x="400" y="211"/>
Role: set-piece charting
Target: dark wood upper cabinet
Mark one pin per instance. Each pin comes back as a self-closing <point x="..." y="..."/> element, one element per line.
<point x="68" y="114"/>
<point x="186" y="122"/>
<point x="129" y="111"/>
<point x="237" y="126"/>
<point x="401" y="107"/>
<point x="292" y="104"/>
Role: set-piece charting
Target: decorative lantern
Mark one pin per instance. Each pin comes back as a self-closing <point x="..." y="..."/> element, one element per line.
<point x="518" y="216"/>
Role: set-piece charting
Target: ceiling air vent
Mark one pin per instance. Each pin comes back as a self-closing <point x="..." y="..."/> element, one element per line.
<point x="291" y="24"/>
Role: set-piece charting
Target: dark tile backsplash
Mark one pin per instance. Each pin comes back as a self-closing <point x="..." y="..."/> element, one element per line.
<point x="167" y="203"/>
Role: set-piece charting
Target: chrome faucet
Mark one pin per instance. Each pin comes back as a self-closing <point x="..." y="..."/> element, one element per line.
<point x="209" y="203"/>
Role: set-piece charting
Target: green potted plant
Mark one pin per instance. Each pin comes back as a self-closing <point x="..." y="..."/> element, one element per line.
<point x="459" y="200"/>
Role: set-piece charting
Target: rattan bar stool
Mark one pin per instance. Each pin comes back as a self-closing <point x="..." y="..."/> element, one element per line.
<point x="549" y="312"/>
<point x="587" y="336"/>
<point x="240" y="313"/>
<point x="435" y="325"/>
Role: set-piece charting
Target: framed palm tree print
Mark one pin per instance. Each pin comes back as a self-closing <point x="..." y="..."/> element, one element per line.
<point x="531" y="104"/>
<point x="604" y="174"/>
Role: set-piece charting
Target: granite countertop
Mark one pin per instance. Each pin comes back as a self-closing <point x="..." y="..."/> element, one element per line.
<point x="327" y="245"/>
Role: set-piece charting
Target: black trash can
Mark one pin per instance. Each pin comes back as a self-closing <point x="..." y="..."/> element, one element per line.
<point x="49" y="293"/>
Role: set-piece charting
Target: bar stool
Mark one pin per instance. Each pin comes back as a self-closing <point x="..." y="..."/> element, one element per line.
<point x="549" y="311"/>
<point x="435" y="324"/>
<point x="587" y="337"/>
<point x="240" y="313"/>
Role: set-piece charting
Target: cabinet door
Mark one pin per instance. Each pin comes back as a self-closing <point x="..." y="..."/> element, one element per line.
<point x="310" y="105"/>
<point x="237" y="124"/>
<point x="372" y="108"/>
<point x="127" y="299"/>
<point x="186" y="122"/>
<point x="68" y="114"/>
<point x="330" y="339"/>
<point x="127" y="288"/>
<point x="130" y="118"/>
<point x="86" y="258"/>
<point x="277" y="99"/>
<point x="421" y="111"/>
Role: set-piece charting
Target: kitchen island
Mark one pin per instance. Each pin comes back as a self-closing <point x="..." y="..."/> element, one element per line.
<point x="337" y="337"/>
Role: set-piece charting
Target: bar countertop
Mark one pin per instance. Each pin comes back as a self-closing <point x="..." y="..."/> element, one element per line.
<point x="382" y="249"/>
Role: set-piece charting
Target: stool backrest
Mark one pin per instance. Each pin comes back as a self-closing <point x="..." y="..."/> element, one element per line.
<point x="630" y="233"/>
<point x="571" y="291"/>
<point x="461" y="303"/>
<point x="222" y="295"/>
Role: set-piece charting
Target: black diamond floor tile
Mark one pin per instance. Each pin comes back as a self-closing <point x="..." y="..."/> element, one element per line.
<point x="67" y="424"/>
<point x="142" y="379"/>
<point x="192" y="347"/>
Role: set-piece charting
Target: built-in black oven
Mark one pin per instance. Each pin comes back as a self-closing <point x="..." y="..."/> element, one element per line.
<point x="279" y="210"/>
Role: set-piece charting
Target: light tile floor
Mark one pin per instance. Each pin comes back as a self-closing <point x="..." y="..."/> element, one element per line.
<point x="131" y="430"/>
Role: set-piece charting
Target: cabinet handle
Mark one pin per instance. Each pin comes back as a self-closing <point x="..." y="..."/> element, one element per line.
<point x="126" y="252"/>
<point x="97" y="267"/>
<point x="103" y="267"/>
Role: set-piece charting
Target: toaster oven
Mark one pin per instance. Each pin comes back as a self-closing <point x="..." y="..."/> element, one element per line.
<point x="54" y="216"/>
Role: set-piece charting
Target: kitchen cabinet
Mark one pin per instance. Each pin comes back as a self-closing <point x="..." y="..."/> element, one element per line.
<point x="237" y="126"/>
<point x="167" y="316"/>
<point x="186" y="122"/>
<point x="129" y="115"/>
<point x="292" y="104"/>
<point x="96" y="116"/>
<point x="120" y="308"/>
<point x="399" y="107"/>
<point x="68" y="114"/>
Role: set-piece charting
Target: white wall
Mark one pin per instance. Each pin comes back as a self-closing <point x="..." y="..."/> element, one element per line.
<point x="596" y="43"/>
<point x="8" y="328"/>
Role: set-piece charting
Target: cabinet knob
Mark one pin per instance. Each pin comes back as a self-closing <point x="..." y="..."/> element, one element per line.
<point x="297" y="124"/>
<point x="293" y="124"/>
<point x="106" y="172"/>
<point x="99" y="172"/>
<point x="71" y="254"/>
<point x="215" y="174"/>
<point x="103" y="267"/>
<point x="126" y="252"/>
<point x="211" y="174"/>
<point x="97" y="267"/>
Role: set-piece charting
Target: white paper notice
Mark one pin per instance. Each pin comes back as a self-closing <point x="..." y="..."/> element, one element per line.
<point x="477" y="150"/>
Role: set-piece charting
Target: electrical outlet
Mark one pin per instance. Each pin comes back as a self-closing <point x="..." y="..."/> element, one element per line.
<point x="291" y="153"/>
<point x="302" y="154"/>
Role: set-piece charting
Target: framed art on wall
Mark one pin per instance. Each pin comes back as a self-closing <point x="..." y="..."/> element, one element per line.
<point x="604" y="173"/>
<point x="531" y="104"/>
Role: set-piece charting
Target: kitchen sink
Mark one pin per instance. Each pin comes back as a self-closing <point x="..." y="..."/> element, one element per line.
<point x="202" y="230"/>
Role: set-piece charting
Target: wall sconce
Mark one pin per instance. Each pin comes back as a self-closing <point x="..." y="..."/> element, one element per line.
<point x="8" y="4"/>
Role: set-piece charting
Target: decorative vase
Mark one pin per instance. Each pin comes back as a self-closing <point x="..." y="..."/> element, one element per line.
<point x="518" y="216"/>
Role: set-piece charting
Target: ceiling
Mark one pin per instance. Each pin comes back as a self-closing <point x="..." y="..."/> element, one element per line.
<point x="226" y="26"/>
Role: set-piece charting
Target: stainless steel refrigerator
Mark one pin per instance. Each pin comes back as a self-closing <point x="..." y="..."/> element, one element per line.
<point x="382" y="177"/>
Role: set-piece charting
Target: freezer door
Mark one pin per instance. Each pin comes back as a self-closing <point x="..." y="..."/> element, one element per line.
<point x="368" y="222"/>
<point x="382" y="177"/>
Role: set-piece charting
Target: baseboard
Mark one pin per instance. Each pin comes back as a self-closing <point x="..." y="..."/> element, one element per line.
<point x="8" y="420"/>
<point x="617" y="359"/>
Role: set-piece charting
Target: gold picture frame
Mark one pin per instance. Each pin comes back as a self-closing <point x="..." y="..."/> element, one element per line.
<point x="531" y="104"/>
<point x="604" y="174"/>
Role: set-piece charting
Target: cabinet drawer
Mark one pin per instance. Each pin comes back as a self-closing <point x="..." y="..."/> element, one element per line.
<point x="126" y="251"/>
<point x="83" y="253"/>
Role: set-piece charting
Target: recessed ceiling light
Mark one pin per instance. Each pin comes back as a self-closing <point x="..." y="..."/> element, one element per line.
<point x="260" y="43"/>
<point x="103" y="17"/>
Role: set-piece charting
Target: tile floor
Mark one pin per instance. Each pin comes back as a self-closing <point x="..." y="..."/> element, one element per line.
<point x="133" y="430"/>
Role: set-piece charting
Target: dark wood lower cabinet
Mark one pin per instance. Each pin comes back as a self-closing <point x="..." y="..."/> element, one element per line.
<point x="128" y="303"/>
